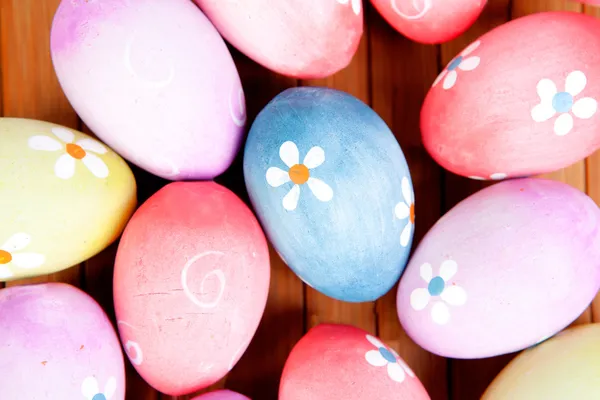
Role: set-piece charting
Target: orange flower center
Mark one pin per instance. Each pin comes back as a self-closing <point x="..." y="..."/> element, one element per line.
<point x="412" y="213"/>
<point x="75" y="151"/>
<point x="5" y="257"/>
<point x="299" y="174"/>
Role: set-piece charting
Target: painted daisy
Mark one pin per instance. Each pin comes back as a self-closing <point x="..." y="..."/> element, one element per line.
<point x="10" y="255"/>
<point x="563" y="103"/>
<point x="356" y="5"/>
<point x="494" y="177"/>
<point x="461" y="62"/>
<point x="439" y="291"/>
<point x="82" y="150"/>
<point x="384" y="356"/>
<point x="406" y="210"/>
<point x="91" y="390"/>
<point x="299" y="174"/>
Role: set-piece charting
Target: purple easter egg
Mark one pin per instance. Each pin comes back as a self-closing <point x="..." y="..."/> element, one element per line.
<point x="57" y="342"/>
<point x="221" y="395"/>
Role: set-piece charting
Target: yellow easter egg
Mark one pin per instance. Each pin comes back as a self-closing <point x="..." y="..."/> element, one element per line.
<point x="64" y="197"/>
<point x="566" y="366"/>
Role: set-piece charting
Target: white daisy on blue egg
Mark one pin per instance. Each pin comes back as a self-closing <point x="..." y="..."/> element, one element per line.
<point x="406" y="210"/>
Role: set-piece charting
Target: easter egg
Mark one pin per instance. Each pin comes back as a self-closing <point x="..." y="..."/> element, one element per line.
<point x="221" y="395"/>
<point x="500" y="110"/>
<point x="64" y="197"/>
<point x="302" y="39"/>
<point x="332" y="190"/>
<point x="57" y="342"/>
<point x="428" y="21"/>
<point x="345" y="362"/>
<point x="154" y="80"/>
<point x="565" y="366"/>
<point x="190" y="285"/>
<point x="505" y="268"/>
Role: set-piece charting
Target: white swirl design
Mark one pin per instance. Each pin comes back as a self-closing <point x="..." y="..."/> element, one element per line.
<point x="239" y="121"/>
<point x="216" y="272"/>
<point x="157" y="84"/>
<point x="421" y="11"/>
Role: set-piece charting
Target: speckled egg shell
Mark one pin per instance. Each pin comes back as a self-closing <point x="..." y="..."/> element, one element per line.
<point x="566" y="366"/>
<point x="343" y="362"/>
<point x="221" y="395"/>
<point x="64" y="197"/>
<point x="302" y="39"/>
<point x="154" y="80"/>
<point x="190" y="285"/>
<point x="428" y="21"/>
<point x="57" y="342"/>
<point x="519" y="101"/>
<point x="505" y="268"/>
<point x="332" y="190"/>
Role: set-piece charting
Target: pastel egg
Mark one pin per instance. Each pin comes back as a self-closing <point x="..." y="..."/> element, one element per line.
<point x="221" y="395"/>
<point x="341" y="361"/>
<point x="190" y="285"/>
<point x="500" y="110"/>
<point x="427" y="21"/>
<point x="154" y="80"/>
<point x="56" y="341"/>
<point x="332" y="190"/>
<point x="505" y="268"/>
<point x="302" y="39"/>
<point x="563" y="367"/>
<point x="65" y="197"/>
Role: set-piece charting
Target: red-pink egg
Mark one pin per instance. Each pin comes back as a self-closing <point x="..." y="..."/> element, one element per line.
<point x="344" y="362"/>
<point x="302" y="39"/>
<point x="427" y="21"/>
<point x="521" y="100"/>
<point x="190" y="285"/>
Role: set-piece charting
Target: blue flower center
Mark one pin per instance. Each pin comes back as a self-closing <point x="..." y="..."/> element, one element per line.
<point x="562" y="102"/>
<point x="389" y="357"/>
<point x="99" y="396"/>
<point x="436" y="286"/>
<point x="455" y="63"/>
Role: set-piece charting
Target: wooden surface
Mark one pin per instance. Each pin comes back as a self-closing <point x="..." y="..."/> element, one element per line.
<point x="390" y="73"/>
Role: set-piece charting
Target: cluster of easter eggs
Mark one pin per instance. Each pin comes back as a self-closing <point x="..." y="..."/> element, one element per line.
<point x="331" y="190"/>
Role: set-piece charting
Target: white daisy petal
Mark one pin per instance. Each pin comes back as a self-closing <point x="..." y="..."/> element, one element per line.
<point x="546" y="89"/>
<point x="542" y="112"/>
<point x="396" y="372"/>
<point x="374" y="341"/>
<point x="64" y="134"/>
<point x="290" y="200"/>
<point x="91" y="145"/>
<point x="454" y="295"/>
<point x="470" y="48"/>
<point x="426" y="272"/>
<point x="405" y="235"/>
<point x="440" y="77"/>
<point x="477" y="178"/>
<point x="289" y="154"/>
<point x="65" y="166"/>
<point x="498" y="176"/>
<point x="277" y="177"/>
<point x="419" y="298"/>
<point x="5" y="272"/>
<point x="16" y="242"/>
<point x="448" y="269"/>
<point x="407" y="191"/>
<point x="375" y="358"/>
<point x="450" y="79"/>
<point x="89" y="387"/>
<point x="405" y="366"/>
<point x="440" y="313"/>
<point x="314" y="158"/>
<point x="343" y="1"/>
<point x="575" y="83"/>
<point x="110" y="388"/>
<point x="45" y="143"/>
<point x="95" y="165"/>
<point x="320" y="189"/>
<point x="563" y="124"/>
<point x="585" y="108"/>
<point x="28" y="260"/>
<point x="356" y="6"/>
<point x="469" y="64"/>
<point x="401" y="210"/>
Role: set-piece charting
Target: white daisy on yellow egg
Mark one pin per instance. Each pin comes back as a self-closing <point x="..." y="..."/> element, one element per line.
<point x="11" y="255"/>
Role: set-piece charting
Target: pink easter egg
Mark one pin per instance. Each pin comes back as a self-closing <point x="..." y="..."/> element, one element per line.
<point x="57" y="342"/>
<point x="303" y="39"/>
<point x="590" y="2"/>
<point x="503" y="270"/>
<point x="428" y="21"/>
<point x="343" y="362"/>
<point x="154" y="80"/>
<point x="221" y="395"/>
<point x="190" y="285"/>
<point x="521" y="100"/>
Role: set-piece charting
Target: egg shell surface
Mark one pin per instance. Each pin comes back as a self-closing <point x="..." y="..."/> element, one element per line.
<point x="503" y="110"/>
<point x="332" y="190"/>
<point x="345" y="362"/>
<point x="505" y="268"/>
<point x="190" y="285"/>
<point x="56" y="340"/>
<point x="430" y="21"/>
<point x="221" y="395"/>
<point x="64" y="197"/>
<point x="154" y="80"/>
<point x="303" y="39"/>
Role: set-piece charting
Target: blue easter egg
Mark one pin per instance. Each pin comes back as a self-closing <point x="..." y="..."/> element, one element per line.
<point x="332" y="190"/>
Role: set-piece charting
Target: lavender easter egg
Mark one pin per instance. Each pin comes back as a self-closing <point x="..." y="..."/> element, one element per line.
<point x="332" y="190"/>
<point x="57" y="342"/>
<point x="190" y="285"/>
<point x="221" y="395"/>
<point x="503" y="110"/>
<point x="302" y="39"/>
<point x="505" y="268"/>
<point x="154" y="80"/>
<point x="341" y="361"/>
<point x="428" y="21"/>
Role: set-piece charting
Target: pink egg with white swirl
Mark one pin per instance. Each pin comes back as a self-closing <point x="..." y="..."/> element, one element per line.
<point x="154" y="80"/>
